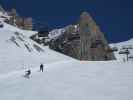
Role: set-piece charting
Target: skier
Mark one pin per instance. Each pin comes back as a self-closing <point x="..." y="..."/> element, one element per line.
<point x="28" y="72"/>
<point x="41" y="67"/>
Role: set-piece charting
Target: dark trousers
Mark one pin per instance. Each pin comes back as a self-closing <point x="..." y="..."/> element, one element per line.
<point x="41" y="69"/>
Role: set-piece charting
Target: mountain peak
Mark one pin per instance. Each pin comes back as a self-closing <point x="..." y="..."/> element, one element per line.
<point x="85" y="15"/>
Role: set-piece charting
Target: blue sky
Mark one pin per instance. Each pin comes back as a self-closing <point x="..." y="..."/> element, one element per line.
<point x="115" y="17"/>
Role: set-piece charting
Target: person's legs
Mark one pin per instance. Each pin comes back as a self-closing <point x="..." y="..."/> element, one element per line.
<point x="42" y="69"/>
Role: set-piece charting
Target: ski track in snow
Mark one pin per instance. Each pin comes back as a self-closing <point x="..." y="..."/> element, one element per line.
<point x="33" y="70"/>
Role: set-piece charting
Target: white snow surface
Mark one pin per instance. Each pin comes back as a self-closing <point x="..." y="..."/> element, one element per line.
<point x="54" y="34"/>
<point x="63" y="78"/>
<point x="71" y="80"/>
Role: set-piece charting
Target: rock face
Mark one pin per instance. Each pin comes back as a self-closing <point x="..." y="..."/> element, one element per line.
<point x="21" y="22"/>
<point x="93" y="44"/>
<point x="84" y="41"/>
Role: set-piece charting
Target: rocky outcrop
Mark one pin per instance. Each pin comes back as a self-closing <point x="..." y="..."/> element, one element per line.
<point x="93" y="44"/>
<point x="21" y="22"/>
<point x="83" y="41"/>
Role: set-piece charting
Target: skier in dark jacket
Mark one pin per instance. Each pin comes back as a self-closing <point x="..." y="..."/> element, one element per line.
<point x="41" y="67"/>
<point x="28" y="72"/>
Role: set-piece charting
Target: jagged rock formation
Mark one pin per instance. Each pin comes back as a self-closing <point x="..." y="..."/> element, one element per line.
<point x="13" y="16"/>
<point x="83" y="41"/>
<point x="16" y="20"/>
<point x="93" y="44"/>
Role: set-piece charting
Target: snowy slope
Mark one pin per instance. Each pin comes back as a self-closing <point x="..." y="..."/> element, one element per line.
<point x="11" y="28"/>
<point x="19" y="52"/>
<point x="72" y="80"/>
<point x="120" y="46"/>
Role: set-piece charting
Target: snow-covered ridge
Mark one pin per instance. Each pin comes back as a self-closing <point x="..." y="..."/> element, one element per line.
<point x="18" y="37"/>
<point x="11" y="28"/>
<point x="54" y="34"/>
<point x="121" y="46"/>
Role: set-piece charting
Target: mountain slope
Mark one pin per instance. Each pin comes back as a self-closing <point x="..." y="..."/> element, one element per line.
<point x="19" y="52"/>
<point x="72" y="80"/>
<point x="121" y="46"/>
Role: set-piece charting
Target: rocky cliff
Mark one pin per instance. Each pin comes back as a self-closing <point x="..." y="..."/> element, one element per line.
<point x="83" y="41"/>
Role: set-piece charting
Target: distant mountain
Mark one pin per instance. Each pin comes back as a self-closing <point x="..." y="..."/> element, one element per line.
<point x="83" y="41"/>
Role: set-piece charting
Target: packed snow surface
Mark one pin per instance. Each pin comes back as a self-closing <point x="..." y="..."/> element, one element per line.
<point x="71" y="80"/>
<point x="63" y="78"/>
